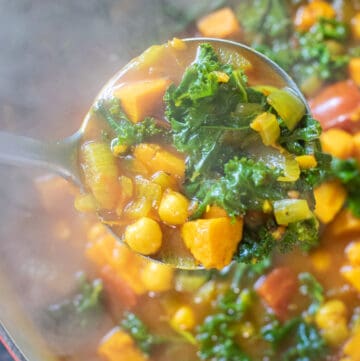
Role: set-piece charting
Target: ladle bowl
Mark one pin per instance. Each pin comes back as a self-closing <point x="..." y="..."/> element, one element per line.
<point x="61" y="157"/>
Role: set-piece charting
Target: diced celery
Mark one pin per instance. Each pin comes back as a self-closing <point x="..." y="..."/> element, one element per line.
<point x="291" y="210"/>
<point x="289" y="107"/>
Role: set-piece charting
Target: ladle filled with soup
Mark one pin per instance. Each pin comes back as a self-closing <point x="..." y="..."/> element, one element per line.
<point x="198" y="151"/>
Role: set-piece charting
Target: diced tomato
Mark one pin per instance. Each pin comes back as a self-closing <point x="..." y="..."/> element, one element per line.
<point x="117" y="287"/>
<point x="277" y="289"/>
<point x="338" y="106"/>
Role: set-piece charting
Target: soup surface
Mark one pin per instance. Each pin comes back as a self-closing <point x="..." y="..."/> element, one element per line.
<point x="301" y="305"/>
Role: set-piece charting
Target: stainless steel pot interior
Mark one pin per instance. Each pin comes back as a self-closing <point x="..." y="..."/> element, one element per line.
<point x="55" y="57"/>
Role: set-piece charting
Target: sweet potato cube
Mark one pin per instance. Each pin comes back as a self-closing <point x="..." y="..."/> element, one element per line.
<point x="330" y="197"/>
<point x="220" y="24"/>
<point x="213" y="241"/>
<point x="345" y="224"/>
<point x="119" y="346"/>
<point x="158" y="159"/>
<point x="352" y="275"/>
<point x="338" y="142"/>
<point x="142" y="98"/>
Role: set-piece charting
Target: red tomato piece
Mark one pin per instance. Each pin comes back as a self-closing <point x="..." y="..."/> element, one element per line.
<point x="277" y="289"/>
<point x="338" y="106"/>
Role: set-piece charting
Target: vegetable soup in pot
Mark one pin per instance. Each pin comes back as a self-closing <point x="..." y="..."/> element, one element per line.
<point x="278" y="302"/>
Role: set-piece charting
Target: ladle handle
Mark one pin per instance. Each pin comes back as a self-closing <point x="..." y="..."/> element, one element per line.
<point x="59" y="156"/>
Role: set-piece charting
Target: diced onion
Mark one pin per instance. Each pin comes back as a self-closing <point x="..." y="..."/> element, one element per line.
<point x="267" y="126"/>
<point x="291" y="170"/>
<point x="291" y="210"/>
<point x="289" y="107"/>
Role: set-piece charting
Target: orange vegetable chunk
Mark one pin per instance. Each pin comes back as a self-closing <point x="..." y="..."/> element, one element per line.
<point x="307" y="15"/>
<point x="119" y="346"/>
<point x="213" y="241"/>
<point x="220" y="24"/>
<point x="158" y="159"/>
<point x="330" y="197"/>
<point x="277" y="289"/>
<point x="140" y="99"/>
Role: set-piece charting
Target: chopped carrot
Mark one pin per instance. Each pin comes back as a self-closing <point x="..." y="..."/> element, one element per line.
<point x="277" y="289"/>
<point x="117" y="287"/>
<point x="120" y="346"/>
<point x="354" y="70"/>
<point x="220" y="24"/>
<point x="213" y="241"/>
<point x="141" y="98"/>
<point x="307" y="15"/>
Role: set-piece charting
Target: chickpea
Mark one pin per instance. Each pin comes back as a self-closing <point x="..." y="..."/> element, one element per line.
<point x="183" y="319"/>
<point x="157" y="277"/>
<point x="173" y="208"/>
<point x="144" y="236"/>
<point x="331" y="318"/>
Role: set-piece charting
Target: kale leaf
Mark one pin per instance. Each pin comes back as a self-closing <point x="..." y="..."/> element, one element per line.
<point x="127" y="132"/>
<point x="310" y="286"/>
<point x="348" y="173"/>
<point x="200" y="107"/>
<point x="216" y="336"/>
<point x="246" y="184"/>
<point x="82" y="308"/>
<point x="303" y="340"/>
<point x="139" y="332"/>
<point x="306" y="342"/>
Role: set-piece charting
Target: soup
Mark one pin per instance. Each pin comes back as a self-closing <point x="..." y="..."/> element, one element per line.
<point x="294" y="306"/>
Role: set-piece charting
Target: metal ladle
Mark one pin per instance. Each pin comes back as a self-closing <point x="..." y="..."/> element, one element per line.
<point x="61" y="157"/>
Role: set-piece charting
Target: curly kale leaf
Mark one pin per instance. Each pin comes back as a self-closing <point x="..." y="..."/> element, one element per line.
<point x="348" y="173"/>
<point x="216" y="335"/>
<point x="139" y="332"/>
<point x="306" y="342"/>
<point x="245" y="185"/>
<point x="303" y="234"/>
<point x="304" y="139"/>
<point x="200" y="109"/>
<point x="315" y="55"/>
<point x="255" y="245"/>
<point x="127" y="132"/>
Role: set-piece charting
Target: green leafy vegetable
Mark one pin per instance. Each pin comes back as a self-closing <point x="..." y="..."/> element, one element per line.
<point x="310" y="286"/>
<point x="216" y="337"/>
<point x="139" y="332"/>
<point x="83" y="307"/>
<point x="348" y="173"/>
<point x="227" y="163"/>
<point x="127" y="132"/>
<point x="305" y="340"/>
